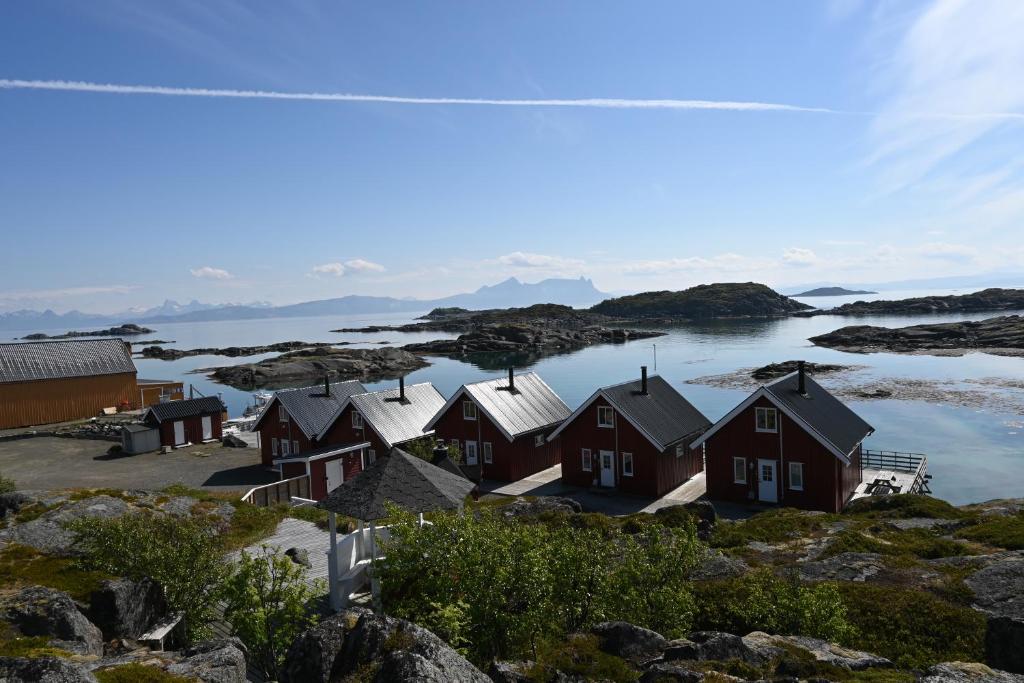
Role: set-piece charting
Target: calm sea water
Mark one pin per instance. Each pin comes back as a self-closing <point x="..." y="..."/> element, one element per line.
<point x="973" y="454"/>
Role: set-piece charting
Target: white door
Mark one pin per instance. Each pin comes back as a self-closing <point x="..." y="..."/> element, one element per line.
<point x="335" y="474"/>
<point x="471" y="453"/>
<point x="767" y="487"/>
<point x="179" y="433"/>
<point x="607" y="468"/>
<point x="207" y="428"/>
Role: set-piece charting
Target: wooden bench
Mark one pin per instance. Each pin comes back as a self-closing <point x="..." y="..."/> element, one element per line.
<point x="156" y="637"/>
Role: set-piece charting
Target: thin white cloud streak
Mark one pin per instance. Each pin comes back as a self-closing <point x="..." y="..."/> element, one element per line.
<point x="588" y="102"/>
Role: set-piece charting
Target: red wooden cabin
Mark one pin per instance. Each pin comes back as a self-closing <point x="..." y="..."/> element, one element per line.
<point x="502" y="425"/>
<point x="634" y="437"/>
<point x="194" y="420"/>
<point x="790" y="443"/>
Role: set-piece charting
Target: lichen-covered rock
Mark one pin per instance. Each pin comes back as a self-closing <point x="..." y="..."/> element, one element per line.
<point x="843" y="567"/>
<point x="999" y="593"/>
<point x="522" y="507"/>
<point x="299" y="556"/>
<point x="625" y="640"/>
<point x="313" y="656"/>
<point x="213" y="661"/>
<point x="42" y="670"/>
<point x="968" y="672"/>
<point x="669" y="673"/>
<point x="123" y="608"/>
<point x="47" y="532"/>
<point x="713" y="645"/>
<point x="717" y="565"/>
<point x="821" y="650"/>
<point x="38" y="611"/>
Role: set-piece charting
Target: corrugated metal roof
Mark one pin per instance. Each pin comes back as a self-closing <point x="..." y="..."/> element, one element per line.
<point x="822" y="411"/>
<point x="663" y="415"/>
<point x="533" y="405"/>
<point x="28" y="361"/>
<point x="312" y="410"/>
<point x="398" y="421"/>
<point x="189" y="407"/>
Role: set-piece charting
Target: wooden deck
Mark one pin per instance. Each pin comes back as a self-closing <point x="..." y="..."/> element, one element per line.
<point x="296" y="533"/>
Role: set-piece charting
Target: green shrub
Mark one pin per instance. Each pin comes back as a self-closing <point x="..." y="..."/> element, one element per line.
<point x="250" y="524"/>
<point x="138" y="673"/>
<point x="903" y="507"/>
<point x="1002" y="532"/>
<point x="771" y="526"/>
<point x="13" y="644"/>
<point x="7" y="485"/>
<point x="184" y="555"/>
<point x="21" y="565"/>
<point x="913" y="628"/>
<point x="580" y="656"/>
<point x="920" y="543"/>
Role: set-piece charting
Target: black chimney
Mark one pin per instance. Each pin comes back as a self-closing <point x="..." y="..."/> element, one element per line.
<point x="801" y="379"/>
<point x="511" y="379"/>
<point x="440" y="453"/>
<point x="327" y="384"/>
<point x="401" y="389"/>
<point x="643" y="380"/>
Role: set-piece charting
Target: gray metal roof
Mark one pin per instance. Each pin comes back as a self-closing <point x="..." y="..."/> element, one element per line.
<point x="532" y="406"/>
<point x="663" y="415"/>
<point x="189" y="407"/>
<point x="27" y="361"/>
<point x="312" y="410"/>
<point x="412" y="484"/>
<point x="821" y="411"/>
<point x="398" y="421"/>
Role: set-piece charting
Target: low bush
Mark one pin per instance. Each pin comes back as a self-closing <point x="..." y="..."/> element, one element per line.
<point x="772" y="526"/>
<point x="903" y="507"/>
<point x="1002" y="532"/>
<point x="579" y="656"/>
<point x="13" y="644"/>
<point x="919" y="543"/>
<point x="138" y="673"/>
<point x="7" y="485"/>
<point x="21" y="565"/>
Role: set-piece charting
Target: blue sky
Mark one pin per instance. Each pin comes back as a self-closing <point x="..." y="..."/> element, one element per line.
<point x="112" y="200"/>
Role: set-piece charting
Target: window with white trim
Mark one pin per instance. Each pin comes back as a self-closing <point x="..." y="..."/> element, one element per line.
<point x="295" y="447"/>
<point x="680" y="450"/>
<point x="357" y="419"/>
<point x="488" y="453"/>
<point x="796" y="476"/>
<point x="371" y="456"/>
<point x="767" y="419"/>
<point x="282" y="414"/>
<point x="273" y="446"/>
<point x="739" y="470"/>
<point x="284" y="447"/>
<point x="627" y="464"/>
<point x="605" y="416"/>
<point x="468" y="410"/>
<point x="585" y="460"/>
<point x="538" y="440"/>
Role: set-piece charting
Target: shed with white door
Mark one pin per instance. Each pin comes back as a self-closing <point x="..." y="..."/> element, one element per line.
<point x="195" y="420"/>
<point x="327" y="467"/>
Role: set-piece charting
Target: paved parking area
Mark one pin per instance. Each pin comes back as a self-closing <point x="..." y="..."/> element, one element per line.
<point x="56" y="463"/>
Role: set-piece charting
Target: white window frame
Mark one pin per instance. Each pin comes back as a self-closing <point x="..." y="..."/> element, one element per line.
<point x="282" y="414"/>
<point x="357" y="420"/>
<point x="285" y="447"/>
<point x="538" y="440"/>
<point x="371" y="456"/>
<point x="743" y="465"/>
<point x="469" y="410"/>
<point x="765" y="411"/>
<point x="586" y="460"/>
<point x="295" y="446"/>
<point x="796" y="467"/>
<point x="487" y="452"/>
<point x="627" y="458"/>
<point x="680" y="449"/>
<point x="610" y="412"/>
<point x="273" y="446"/>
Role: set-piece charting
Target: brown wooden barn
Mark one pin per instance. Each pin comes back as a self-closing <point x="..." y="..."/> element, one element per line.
<point x="153" y="391"/>
<point x="634" y="437"/>
<point x="387" y="418"/>
<point x="189" y="421"/>
<point x="789" y="443"/>
<point x="501" y="426"/>
<point x="68" y="379"/>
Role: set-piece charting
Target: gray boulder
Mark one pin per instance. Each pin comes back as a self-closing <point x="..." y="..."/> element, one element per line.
<point x="47" y="532"/>
<point x="213" y="661"/>
<point x="123" y="608"/>
<point x="314" y="655"/>
<point x="522" y="507"/>
<point x="38" y="611"/>
<point x="42" y="670"/>
<point x="402" y="651"/>
<point x="509" y="672"/>
<point x="843" y="567"/>
<point x="718" y="565"/>
<point x="625" y="640"/>
<point x="12" y="502"/>
<point x="713" y="645"/>
<point x="670" y="673"/>
<point x="299" y="556"/>
<point x="999" y="593"/>
<point x="968" y="672"/>
<point x="823" y="651"/>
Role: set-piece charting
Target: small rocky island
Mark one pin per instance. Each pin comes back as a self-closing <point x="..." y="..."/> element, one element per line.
<point x="992" y="299"/>
<point x="1003" y="335"/>
<point x="834" y="291"/>
<point x="161" y="353"/>
<point x="124" y="330"/>
<point x="721" y="300"/>
<point x="311" y="364"/>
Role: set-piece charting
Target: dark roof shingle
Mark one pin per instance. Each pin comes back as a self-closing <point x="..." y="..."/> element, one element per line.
<point x="28" y="361"/>
<point x="189" y="407"/>
<point x="824" y="413"/>
<point x="312" y="410"/>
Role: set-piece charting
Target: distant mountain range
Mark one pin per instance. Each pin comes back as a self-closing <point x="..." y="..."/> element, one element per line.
<point x="506" y="294"/>
<point x="833" y="291"/>
<point x="983" y="280"/>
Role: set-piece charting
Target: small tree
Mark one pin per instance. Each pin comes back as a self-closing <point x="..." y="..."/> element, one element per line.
<point x="423" y="448"/>
<point x="268" y="600"/>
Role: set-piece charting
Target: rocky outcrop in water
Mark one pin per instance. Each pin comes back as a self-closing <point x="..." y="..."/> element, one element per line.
<point x="993" y="299"/>
<point x="1004" y="334"/>
<point x="530" y="339"/>
<point x="310" y="365"/>
<point x="125" y="330"/>
<point x="722" y="300"/>
<point x="161" y="353"/>
<point x="776" y="370"/>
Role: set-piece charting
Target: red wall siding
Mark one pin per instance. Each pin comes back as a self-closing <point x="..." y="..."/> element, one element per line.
<point x="351" y="466"/>
<point x="511" y="460"/>
<point x="273" y="428"/>
<point x="342" y="431"/>
<point x="193" y="429"/>
<point x="826" y="480"/>
<point x="655" y="473"/>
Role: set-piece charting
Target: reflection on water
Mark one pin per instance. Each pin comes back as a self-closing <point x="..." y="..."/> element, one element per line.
<point x="973" y="454"/>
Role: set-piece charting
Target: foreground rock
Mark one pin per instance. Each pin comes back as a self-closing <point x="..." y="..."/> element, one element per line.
<point x="125" y="330"/>
<point x="123" y="608"/>
<point x="214" y="661"/>
<point x="968" y="672"/>
<point x="310" y="365"/>
<point x="999" y="593"/>
<point x="161" y="353"/>
<point x="43" y="670"/>
<point x="1004" y="335"/>
<point x="47" y="533"/>
<point x="38" y="611"/>
<point x="992" y="299"/>
<point x="628" y="641"/>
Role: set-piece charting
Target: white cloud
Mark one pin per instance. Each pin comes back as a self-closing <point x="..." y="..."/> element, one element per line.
<point x="359" y="265"/>
<point x="339" y="269"/>
<point x="797" y="256"/>
<point x="336" y="269"/>
<point x="522" y="259"/>
<point x="726" y="263"/>
<point x="211" y="273"/>
<point x="943" y="251"/>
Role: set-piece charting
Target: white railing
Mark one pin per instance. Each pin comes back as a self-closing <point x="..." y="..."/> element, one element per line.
<point x="284" y="491"/>
<point x="350" y="560"/>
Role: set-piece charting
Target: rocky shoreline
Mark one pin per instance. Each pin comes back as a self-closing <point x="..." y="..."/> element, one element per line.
<point x="1003" y="335"/>
<point x="306" y="365"/>
<point x="992" y="299"/>
<point x="125" y="330"/>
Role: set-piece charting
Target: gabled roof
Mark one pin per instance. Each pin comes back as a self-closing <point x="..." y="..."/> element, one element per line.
<point x="818" y="412"/>
<point x="397" y="421"/>
<point x="662" y="415"/>
<point x="532" y="406"/>
<point x="322" y="452"/>
<point x="189" y="407"/>
<point x="27" y="361"/>
<point x="312" y="410"/>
